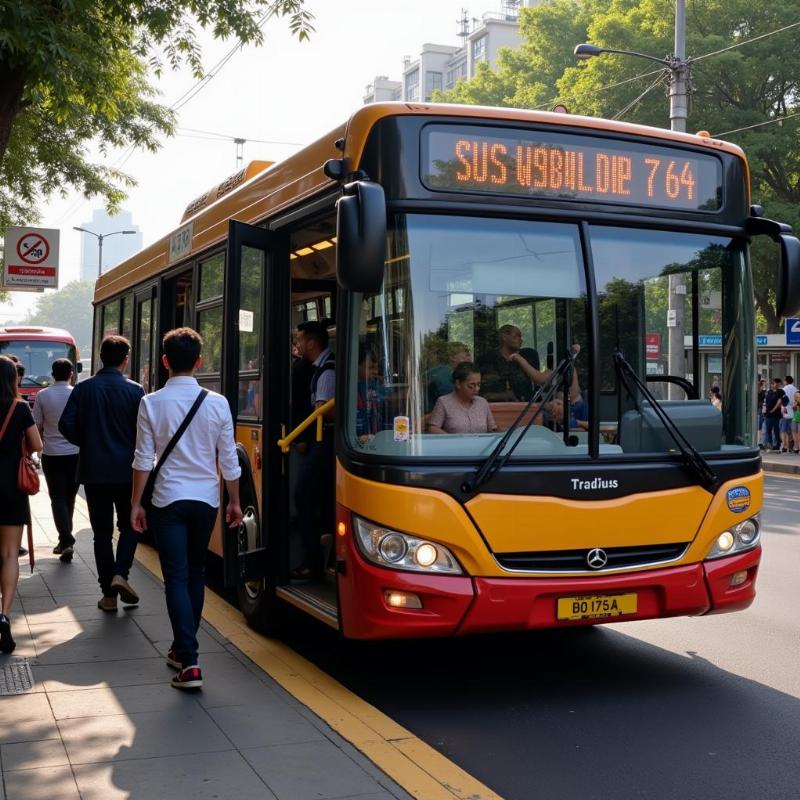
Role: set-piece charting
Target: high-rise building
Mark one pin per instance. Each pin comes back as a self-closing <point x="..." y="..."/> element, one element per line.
<point x="441" y="66"/>
<point x="115" y="248"/>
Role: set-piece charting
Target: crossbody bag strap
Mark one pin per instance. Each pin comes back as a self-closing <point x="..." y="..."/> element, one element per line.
<point x="8" y="418"/>
<point x="181" y="430"/>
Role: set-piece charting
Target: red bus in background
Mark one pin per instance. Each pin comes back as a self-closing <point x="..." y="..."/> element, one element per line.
<point x="37" y="348"/>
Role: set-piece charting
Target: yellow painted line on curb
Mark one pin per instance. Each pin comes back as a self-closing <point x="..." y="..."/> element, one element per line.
<point x="414" y="765"/>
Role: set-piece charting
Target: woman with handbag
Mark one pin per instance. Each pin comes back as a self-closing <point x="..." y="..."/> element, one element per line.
<point x="17" y="431"/>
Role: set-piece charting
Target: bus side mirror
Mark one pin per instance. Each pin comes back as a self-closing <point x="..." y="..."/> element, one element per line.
<point x="361" y="237"/>
<point x="788" y="290"/>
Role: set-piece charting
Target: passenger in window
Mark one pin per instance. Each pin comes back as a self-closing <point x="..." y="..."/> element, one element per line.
<point x="463" y="410"/>
<point x="539" y="377"/>
<point x="504" y="378"/>
<point x="369" y="395"/>
<point x="439" y="380"/>
<point x="578" y="414"/>
<point x="715" y="396"/>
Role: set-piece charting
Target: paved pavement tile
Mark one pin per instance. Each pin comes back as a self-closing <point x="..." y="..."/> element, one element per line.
<point x="145" y="735"/>
<point x="33" y="755"/>
<point x="226" y="682"/>
<point x="310" y="771"/>
<point x="102" y="674"/>
<point x="79" y="650"/>
<point x="107" y="628"/>
<point x="47" y="783"/>
<point x="121" y="700"/>
<point x="211" y="776"/>
<point x="264" y="722"/>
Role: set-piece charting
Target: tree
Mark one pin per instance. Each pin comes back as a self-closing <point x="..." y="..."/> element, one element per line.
<point x="74" y="72"/>
<point x="69" y="308"/>
<point x="745" y="86"/>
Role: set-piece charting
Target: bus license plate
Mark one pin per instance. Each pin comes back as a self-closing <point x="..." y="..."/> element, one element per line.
<point x="594" y="606"/>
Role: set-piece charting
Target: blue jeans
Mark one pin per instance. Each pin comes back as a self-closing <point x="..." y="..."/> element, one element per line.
<point x="772" y="432"/>
<point x="182" y="531"/>
<point x="103" y="499"/>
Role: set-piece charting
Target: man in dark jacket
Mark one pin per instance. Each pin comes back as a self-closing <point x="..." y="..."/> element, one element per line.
<point x="100" y="417"/>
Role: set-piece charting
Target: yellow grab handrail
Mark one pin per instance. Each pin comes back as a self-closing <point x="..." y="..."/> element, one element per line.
<point x="317" y="414"/>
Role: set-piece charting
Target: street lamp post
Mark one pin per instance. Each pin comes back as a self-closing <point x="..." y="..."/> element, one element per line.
<point x="100" y="237"/>
<point x="678" y="67"/>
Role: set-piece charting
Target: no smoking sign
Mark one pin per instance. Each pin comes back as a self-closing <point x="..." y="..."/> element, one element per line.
<point x="31" y="258"/>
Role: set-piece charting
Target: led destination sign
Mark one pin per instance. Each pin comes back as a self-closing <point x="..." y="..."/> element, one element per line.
<point x="569" y="167"/>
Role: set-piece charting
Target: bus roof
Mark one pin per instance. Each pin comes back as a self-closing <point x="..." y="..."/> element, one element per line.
<point x="36" y="333"/>
<point x="282" y="185"/>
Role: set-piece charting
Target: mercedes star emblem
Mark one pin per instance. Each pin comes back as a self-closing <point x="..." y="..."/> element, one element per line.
<point x="597" y="558"/>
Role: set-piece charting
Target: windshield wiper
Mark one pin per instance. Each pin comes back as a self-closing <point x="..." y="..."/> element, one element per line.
<point x="705" y="476"/>
<point x="543" y="395"/>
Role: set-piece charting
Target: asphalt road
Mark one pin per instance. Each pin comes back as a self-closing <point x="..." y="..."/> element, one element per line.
<point x="661" y="710"/>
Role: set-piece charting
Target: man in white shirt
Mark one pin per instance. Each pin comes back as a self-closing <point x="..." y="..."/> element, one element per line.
<point x="59" y="457"/>
<point x="186" y="493"/>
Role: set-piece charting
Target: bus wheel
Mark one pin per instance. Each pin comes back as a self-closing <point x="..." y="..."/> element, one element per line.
<point x="257" y="601"/>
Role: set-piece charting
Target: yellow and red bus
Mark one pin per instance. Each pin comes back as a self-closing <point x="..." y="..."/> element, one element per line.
<point x="37" y="348"/>
<point x="611" y="490"/>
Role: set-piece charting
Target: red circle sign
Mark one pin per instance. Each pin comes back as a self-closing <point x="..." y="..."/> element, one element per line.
<point x="33" y="248"/>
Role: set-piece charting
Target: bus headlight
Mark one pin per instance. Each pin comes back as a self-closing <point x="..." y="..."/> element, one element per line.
<point x="740" y="537"/>
<point x="388" y="548"/>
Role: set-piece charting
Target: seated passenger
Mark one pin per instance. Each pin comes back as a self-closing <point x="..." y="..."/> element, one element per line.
<point x="463" y="410"/>
<point x="504" y="377"/>
<point x="578" y="414"/>
<point x="369" y="395"/>
<point x="439" y="380"/>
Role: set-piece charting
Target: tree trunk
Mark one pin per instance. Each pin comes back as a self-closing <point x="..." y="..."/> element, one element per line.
<point x="763" y="304"/>
<point x="12" y="85"/>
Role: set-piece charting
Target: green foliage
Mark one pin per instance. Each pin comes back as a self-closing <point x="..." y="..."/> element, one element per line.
<point x="69" y="308"/>
<point x="73" y="72"/>
<point x="732" y="90"/>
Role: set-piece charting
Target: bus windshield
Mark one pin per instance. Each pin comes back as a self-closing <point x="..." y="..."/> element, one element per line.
<point x="37" y="356"/>
<point x="475" y="312"/>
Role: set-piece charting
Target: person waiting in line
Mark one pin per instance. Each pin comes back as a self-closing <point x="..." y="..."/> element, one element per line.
<point x="59" y="457"/>
<point x="504" y="378"/>
<point x="463" y="410"/>
<point x="772" y="414"/>
<point x="186" y="490"/>
<point x="16" y="422"/>
<point x="762" y="394"/>
<point x="715" y="396"/>
<point x="796" y="421"/>
<point x="100" y="418"/>
<point x="439" y="379"/>
<point x="786" y="425"/>
<point x="790" y="390"/>
<point x="316" y="470"/>
<point x="369" y="395"/>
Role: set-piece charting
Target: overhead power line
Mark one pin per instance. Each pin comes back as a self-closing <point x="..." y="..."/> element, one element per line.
<point x="757" y="125"/>
<point x="747" y="41"/>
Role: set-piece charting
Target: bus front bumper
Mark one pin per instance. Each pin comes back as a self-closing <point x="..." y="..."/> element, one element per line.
<point x="459" y="605"/>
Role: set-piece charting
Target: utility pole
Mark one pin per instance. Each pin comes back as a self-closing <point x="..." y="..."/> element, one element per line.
<point x="678" y="80"/>
<point x="678" y="67"/>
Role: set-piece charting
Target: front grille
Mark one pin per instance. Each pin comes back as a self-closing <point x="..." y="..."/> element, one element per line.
<point x="575" y="560"/>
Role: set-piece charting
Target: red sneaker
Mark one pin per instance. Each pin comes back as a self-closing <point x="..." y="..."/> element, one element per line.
<point x="188" y="678"/>
<point x="172" y="659"/>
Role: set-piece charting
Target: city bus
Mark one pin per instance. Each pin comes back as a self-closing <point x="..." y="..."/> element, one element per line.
<point x="37" y="348"/>
<point x="413" y="231"/>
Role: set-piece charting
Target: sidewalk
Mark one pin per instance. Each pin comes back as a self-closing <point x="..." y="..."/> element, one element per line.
<point x="786" y="463"/>
<point x="101" y="721"/>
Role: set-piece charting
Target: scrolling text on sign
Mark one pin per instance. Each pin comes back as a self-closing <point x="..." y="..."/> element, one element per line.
<point x="570" y="166"/>
<point x="555" y="169"/>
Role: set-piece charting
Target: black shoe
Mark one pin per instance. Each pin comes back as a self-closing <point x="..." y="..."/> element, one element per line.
<point x="7" y="643"/>
<point x="66" y="554"/>
<point x="23" y="551"/>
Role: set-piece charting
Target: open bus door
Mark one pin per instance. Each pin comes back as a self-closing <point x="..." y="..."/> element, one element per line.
<point x="256" y="385"/>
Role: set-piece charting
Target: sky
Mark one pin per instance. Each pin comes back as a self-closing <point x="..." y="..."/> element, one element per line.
<point x="286" y="92"/>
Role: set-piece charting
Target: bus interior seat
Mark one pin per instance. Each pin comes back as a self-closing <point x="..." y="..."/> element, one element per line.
<point x="505" y="413"/>
<point x="641" y="431"/>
